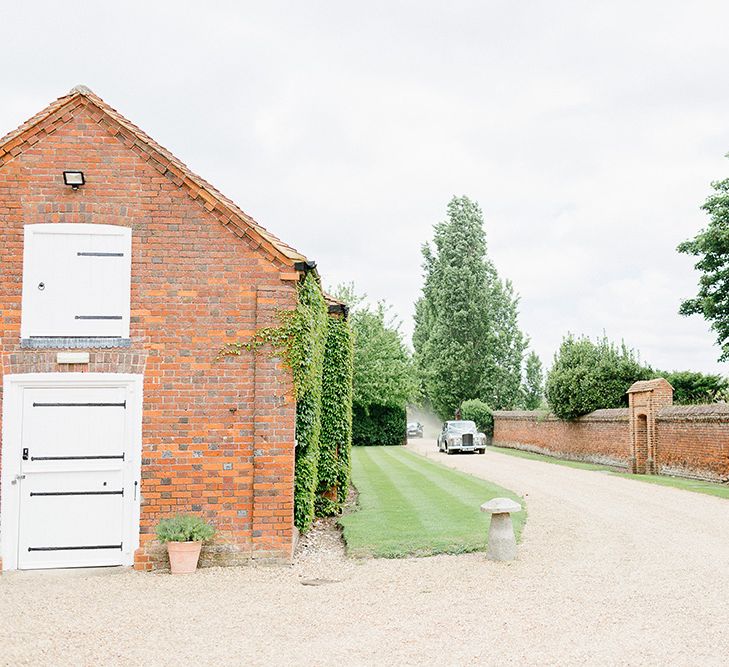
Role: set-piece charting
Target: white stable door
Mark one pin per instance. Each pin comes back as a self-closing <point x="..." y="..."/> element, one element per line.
<point x="77" y="485"/>
<point x="76" y="281"/>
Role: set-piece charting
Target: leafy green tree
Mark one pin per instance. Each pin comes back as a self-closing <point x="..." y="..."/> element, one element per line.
<point x="691" y="387"/>
<point x="587" y="376"/>
<point x="383" y="368"/>
<point x="467" y="339"/>
<point x="383" y="379"/>
<point x="711" y="246"/>
<point x="533" y="389"/>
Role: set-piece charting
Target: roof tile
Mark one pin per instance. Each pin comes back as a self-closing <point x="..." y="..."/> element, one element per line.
<point x="61" y="111"/>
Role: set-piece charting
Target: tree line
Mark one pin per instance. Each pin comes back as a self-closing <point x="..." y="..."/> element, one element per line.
<point x="470" y="354"/>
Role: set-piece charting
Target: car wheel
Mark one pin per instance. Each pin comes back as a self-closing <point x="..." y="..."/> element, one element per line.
<point x="448" y="450"/>
<point x="481" y="451"/>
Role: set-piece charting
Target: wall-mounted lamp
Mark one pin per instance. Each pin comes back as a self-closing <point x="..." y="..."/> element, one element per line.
<point x="74" y="178"/>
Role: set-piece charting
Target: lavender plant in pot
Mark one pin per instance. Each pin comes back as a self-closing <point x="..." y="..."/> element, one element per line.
<point x="184" y="534"/>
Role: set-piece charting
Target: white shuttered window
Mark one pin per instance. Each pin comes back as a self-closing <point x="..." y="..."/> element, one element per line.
<point x="76" y="281"/>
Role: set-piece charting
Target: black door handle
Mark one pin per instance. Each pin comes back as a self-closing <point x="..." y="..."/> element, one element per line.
<point x="25" y="453"/>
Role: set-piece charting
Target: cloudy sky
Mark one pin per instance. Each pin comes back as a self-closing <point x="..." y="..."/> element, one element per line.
<point x="588" y="132"/>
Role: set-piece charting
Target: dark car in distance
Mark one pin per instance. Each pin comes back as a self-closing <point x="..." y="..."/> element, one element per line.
<point x="461" y="436"/>
<point x="415" y="430"/>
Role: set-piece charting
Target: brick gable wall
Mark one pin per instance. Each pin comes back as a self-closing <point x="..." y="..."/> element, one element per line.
<point x="218" y="435"/>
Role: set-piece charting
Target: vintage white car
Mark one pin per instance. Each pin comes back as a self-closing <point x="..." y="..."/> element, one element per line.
<point x="461" y="436"/>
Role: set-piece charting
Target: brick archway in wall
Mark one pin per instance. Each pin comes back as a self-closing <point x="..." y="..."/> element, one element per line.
<point x="646" y="398"/>
<point x="641" y="453"/>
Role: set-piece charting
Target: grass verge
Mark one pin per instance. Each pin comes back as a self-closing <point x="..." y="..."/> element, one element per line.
<point x="409" y="506"/>
<point x="695" y="485"/>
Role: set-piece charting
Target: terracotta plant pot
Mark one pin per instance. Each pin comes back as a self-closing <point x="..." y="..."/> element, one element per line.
<point x="183" y="556"/>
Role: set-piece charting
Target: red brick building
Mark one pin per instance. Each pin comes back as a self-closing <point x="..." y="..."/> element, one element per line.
<point x="122" y="275"/>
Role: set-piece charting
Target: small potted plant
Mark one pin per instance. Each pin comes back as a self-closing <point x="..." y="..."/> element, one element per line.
<point x="184" y="534"/>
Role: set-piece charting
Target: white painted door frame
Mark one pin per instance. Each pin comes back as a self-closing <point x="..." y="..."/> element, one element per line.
<point x="13" y="389"/>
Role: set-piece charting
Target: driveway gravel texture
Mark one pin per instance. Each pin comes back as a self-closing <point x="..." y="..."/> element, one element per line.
<point x="610" y="571"/>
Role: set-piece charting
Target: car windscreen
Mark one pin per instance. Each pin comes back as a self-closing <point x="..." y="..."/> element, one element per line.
<point x="462" y="427"/>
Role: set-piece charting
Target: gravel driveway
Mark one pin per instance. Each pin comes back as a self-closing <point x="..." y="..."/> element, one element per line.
<point x="611" y="571"/>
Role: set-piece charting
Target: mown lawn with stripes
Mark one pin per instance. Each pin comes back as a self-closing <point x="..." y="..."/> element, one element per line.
<point x="410" y="506"/>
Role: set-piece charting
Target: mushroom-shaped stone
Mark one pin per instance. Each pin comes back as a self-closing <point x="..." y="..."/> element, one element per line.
<point x="502" y="541"/>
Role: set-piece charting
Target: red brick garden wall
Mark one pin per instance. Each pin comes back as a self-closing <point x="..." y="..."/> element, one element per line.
<point x="691" y="441"/>
<point x="600" y="437"/>
<point x="218" y="435"/>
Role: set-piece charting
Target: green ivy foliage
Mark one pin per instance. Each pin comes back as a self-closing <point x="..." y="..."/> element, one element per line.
<point x="306" y="329"/>
<point x="336" y="417"/>
<point x="318" y="350"/>
<point x="374" y="425"/>
<point x="477" y="411"/>
<point x="300" y="338"/>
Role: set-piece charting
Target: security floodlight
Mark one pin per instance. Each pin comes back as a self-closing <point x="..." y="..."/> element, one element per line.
<point x="74" y="178"/>
<point x="305" y="267"/>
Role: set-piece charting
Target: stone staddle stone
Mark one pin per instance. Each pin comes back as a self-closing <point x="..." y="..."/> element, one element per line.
<point x="502" y="541"/>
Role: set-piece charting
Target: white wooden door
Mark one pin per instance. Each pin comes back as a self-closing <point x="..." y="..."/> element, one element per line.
<point x="78" y="481"/>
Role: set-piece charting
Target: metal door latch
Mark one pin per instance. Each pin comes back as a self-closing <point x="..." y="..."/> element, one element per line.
<point x="17" y="477"/>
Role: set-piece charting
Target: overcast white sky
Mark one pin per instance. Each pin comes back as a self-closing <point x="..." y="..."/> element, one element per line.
<point x="588" y="132"/>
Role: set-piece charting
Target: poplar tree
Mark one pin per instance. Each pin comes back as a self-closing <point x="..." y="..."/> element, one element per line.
<point x="467" y="339"/>
<point x="533" y="382"/>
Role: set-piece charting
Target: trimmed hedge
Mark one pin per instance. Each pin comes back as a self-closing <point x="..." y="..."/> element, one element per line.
<point x="477" y="411"/>
<point x="378" y="425"/>
<point x="335" y="442"/>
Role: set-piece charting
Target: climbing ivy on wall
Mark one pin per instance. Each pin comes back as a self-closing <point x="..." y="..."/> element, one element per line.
<point x="335" y="443"/>
<point x="318" y="350"/>
<point x="306" y="333"/>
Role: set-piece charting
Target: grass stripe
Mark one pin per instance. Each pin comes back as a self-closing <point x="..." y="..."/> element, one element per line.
<point x="463" y="489"/>
<point x="411" y="506"/>
<point x="435" y="504"/>
<point x="448" y="475"/>
<point x="382" y="490"/>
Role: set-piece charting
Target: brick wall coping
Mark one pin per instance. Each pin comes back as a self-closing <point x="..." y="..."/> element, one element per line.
<point x="712" y="412"/>
<point x="605" y="415"/>
<point x="648" y="385"/>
